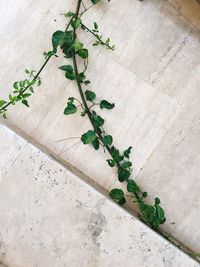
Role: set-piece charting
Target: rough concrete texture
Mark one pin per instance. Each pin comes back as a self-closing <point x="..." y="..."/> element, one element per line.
<point x="153" y="77"/>
<point x="49" y="217"/>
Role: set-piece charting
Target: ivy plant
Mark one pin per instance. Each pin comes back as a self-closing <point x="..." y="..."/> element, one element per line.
<point x="68" y="42"/>
<point x="73" y="48"/>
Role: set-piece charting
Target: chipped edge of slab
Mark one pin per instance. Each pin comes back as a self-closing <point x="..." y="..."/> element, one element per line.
<point x="99" y="190"/>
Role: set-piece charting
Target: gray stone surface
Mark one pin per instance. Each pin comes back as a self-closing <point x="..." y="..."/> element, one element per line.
<point x="49" y="217"/>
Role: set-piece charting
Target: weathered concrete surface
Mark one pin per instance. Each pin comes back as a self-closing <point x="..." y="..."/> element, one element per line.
<point x="153" y="77"/>
<point x="49" y="217"/>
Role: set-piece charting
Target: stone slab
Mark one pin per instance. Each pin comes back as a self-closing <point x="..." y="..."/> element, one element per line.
<point x="49" y="217"/>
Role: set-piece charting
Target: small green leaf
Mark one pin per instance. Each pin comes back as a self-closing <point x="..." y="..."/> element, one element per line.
<point x="127" y="152"/>
<point x="81" y="77"/>
<point x="76" y="22"/>
<point x="107" y="140"/>
<point x="69" y="14"/>
<point x="126" y="164"/>
<point x="111" y="162"/>
<point x="89" y="137"/>
<point x="144" y="194"/>
<point x="70" y="109"/>
<point x="95" y="25"/>
<point x="67" y="45"/>
<point x="116" y="194"/>
<point x="97" y="120"/>
<point x="67" y="68"/>
<point x="123" y="175"/>
<point x="22" y="83"/>
<point x="16" y="85"/>
<point x="70" y="76"/>
<point x="157" y="201"/>
<point x="27" y="71"/>
<point x="69" y="72"/>
<point x="95" y="144"/>
<point x="78" y="46"/>
<point x="83" y="53"/>
<point x="25" y="102"/>
<point x="160" y="215"/>
<point x="90" y="96"/>
<point x="115" y="154"/>
<point x="132" y="187"/>
<point x="95" y="1"/>
<point x="26" y="95"/>
<point x="31" y="89"/>
<point x="122" y="201"/>
<point x="2" y="102"/>
<point x="57" y="39"/>
<point x="106" y="104"/>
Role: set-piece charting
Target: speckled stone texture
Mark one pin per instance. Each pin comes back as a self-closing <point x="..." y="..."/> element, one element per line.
<point x="49" y="217"/>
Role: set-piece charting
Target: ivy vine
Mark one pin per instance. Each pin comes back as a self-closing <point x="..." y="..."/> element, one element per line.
<point x="67" y="41"/>
<point x="153" y="215"/>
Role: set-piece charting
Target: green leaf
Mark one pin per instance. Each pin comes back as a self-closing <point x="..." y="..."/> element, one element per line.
<point x="89" y="137"/>
<point x="132" y="187"/>
<point x="22" y="83"/>
<point x="69" y="72"/>
<point x="70" y="76"/>
<point x="83" y="53"/>
<point x="95" y="1"/>
<point x="97" y="120"/>
<point x="67" y="45"/>
<point x="81" y="77"/>
<point x="106" y="104"/>
<point x="16" y="85"/>
<point x="25" y="102"/>
<point x="76" y="22"/>
<point x="90" y="96"/>
<point x="78" y="46"/>
<point x="126" y="164"/>
<point x="160" y="215"/>
<point x="69" y="14"/>
<point x="27" y="71"/>
<point x="144" y="194"/>
<point x="116" y="194"/>
<point x="95" y="144"/>
<point x="111" y="162"/>
<point x="26" y="95"/>
<point x="31" y="89"/>
<point x="122" y="201"/>
<point x="115" y="154"/>
<point x="157" y="201"/>
<point x="2" y="102"/>
<point x="107" y="140"/>
<point x="127" y="152"/>
<point x="67" y="68"/>
<point x="123" y="175"/>
<point x="70" y="109"/>
<point x="57" y="39"/>
<point x="95" y="25"/>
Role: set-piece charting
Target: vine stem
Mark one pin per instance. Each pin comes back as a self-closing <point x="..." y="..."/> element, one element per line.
<point x="96" y="36"/>
<point x="27" y="87"/>
<point x="89" y="114"/>
<point x="44" y="64"/>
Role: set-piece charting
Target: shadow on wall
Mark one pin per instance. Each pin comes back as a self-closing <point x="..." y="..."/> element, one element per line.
<point x="189" y="9"/>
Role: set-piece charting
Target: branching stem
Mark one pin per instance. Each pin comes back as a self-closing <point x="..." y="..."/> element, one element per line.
<point x="96" y="36"/>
